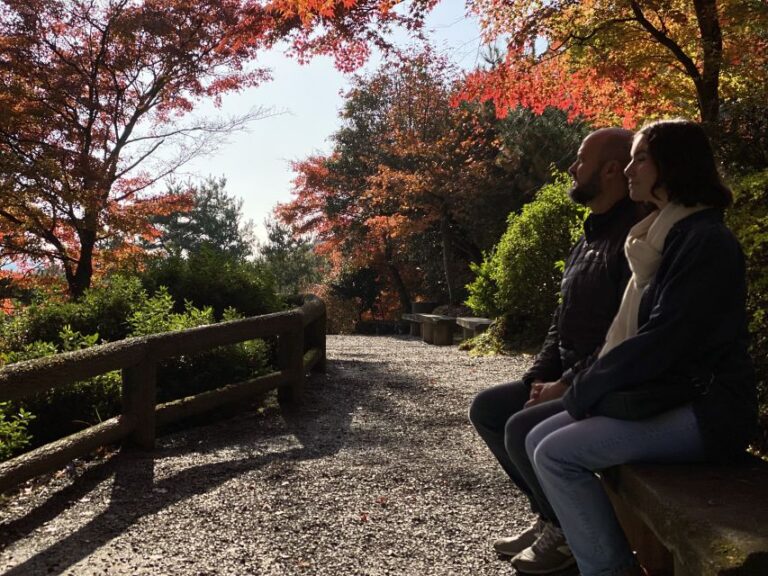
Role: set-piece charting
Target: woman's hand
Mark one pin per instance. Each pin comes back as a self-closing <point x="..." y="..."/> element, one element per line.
<point x="544" y="391"/>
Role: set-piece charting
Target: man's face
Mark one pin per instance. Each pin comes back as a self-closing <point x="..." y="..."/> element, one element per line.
<point x="586" y="173"/>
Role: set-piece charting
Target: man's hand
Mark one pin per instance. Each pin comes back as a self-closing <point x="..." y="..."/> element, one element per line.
<point x="544" y="391"/>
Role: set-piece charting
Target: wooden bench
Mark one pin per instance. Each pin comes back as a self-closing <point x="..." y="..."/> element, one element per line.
<point x="434" y="329"/>
<point x="471" y="326"/>
<point x="694" y="520"/>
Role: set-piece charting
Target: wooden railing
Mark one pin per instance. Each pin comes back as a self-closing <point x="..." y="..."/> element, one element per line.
<point x="300" y="347"/>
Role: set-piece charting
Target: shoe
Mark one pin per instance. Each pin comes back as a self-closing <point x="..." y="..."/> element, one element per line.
<point x="513" y="545"/>
<point x="549" y="553"/>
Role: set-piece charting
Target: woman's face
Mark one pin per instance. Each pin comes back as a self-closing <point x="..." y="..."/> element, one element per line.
<point x="642" y="175"/>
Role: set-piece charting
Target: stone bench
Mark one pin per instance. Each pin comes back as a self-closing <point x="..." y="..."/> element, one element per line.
<point x="433" y="328"/>
<point x="471" y="326"/>
<point x="694" y="520"/>
<point x="414" y="323"/>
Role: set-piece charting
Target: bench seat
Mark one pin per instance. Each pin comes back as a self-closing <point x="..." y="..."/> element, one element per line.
<point x="414" y="323"/>
<point x="434" y="328"/>
<point x="472" y="326"/>
<point x="694" y="520"/>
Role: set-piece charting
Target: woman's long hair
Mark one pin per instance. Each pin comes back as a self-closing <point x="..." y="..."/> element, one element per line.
<point x="685" y="163"/>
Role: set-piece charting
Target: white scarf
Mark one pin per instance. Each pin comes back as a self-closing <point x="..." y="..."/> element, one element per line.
<point x="643" y="248"/>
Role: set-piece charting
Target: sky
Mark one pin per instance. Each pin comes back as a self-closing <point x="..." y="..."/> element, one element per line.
<point x="256" y="163"/>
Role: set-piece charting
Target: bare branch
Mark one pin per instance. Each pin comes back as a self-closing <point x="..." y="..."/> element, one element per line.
<point x="689" y="65"/>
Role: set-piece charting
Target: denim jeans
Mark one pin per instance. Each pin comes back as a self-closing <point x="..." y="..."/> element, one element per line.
<point x="502" y="421"/>
<point x="566" y="454"/>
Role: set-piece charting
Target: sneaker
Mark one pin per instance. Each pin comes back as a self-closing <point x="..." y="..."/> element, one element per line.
<point x="549" y="553"/>
<point x="513" y="545"/>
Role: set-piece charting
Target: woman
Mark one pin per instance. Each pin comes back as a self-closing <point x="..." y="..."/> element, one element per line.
<point x="681" y="328"/>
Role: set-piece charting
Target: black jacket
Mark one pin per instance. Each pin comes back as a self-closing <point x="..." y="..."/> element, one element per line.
<point x="692" y="324"/>
<point x="594" y="279"/>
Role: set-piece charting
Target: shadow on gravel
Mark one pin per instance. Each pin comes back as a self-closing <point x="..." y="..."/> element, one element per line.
<point x="321" y="423"/>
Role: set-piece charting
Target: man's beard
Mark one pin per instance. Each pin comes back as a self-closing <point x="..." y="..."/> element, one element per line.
<point x="585" y="193"/>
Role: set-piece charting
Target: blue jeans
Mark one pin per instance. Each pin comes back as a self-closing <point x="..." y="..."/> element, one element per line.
<point x="566" y="454"/>
<point x="502" y="421"/>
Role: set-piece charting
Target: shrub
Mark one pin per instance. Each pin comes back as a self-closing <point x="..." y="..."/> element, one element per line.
<point x="13" y="430"/>
<point x="748" y="218"/>
<point x="520" y="278"/>
<point x="342" y="313"/>
<point x="211" y="279"/>
<point x="156" y="314"/>
<point x="41" y="321"/>
<point x="66" y="409"/>
<point x="103" y="310"/>
<point x="120" y="307"/>
<point x="188" y="375"/>
<point x="105" y="307"/>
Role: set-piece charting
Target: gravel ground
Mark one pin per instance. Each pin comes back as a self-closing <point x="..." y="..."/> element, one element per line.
<point x="377" y="472"/>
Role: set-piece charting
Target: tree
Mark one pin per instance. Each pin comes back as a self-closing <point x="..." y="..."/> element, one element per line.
<point x="519" y="278"/>
<point x="289" y="258"/>
<point x="215" y="220"/>
<point x="343" y="29"/>
<point x="92" y="90"/>
<point x="686" y="56"/>
<point x="399" y="159"/>
<point x="418" y="186"/>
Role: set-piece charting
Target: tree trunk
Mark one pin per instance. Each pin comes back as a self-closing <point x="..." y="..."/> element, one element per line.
<point x="445" y="237"/>
<point x="707" y="78"/>
<point x="397" y="279"/>
<point x="402" y="291"/>
<point x="80" y="280"/>
<point x="708" y="84"/>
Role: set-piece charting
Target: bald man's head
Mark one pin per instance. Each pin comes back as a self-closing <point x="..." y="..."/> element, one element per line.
<point x="613" y="144"/>
<point x="598" y="170"/>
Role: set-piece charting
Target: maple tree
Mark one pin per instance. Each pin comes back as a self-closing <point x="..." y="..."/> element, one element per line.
<point x="371" y="198"/>
<point x="626" y="60"/>
<point x="90" y="90"/>
<point x="415" y="187"/>
<point x="344" y="29"/>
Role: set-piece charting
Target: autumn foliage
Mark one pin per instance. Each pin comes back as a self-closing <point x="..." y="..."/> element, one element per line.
<point x="93" y="93"/>
<point x="621" y="62"/>
<point x="415" y="188"/>
<point x="90" y="91"/>
<point x="582" y="93"/>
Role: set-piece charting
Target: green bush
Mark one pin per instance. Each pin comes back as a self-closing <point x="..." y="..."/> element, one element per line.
<point x="14" y="435"/>
<point x="105" y="307"/>
<point x="748" y="218"/>
<point x="188" y="375"/>
<point x="66" y="409"/>
<point x="156" y="314"/>
<point x="211" y="279"/>
<point x="520" y="278"/>
<point x="116" y="308"/>
<point x="103" y="310"/>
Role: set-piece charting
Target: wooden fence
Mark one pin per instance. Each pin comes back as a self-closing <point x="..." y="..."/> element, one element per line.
<point x="300" y="337"/>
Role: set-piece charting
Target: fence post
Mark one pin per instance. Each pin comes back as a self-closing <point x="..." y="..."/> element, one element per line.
<point x="315" y="338"/>
<point x="290" y="358"/>
<point x="139" y="399"/>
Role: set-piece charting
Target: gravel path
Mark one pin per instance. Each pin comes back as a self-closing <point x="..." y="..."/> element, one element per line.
<point x="377" y="472"/>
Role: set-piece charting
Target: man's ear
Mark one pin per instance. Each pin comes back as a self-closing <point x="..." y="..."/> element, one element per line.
<point x="613" y="168"/>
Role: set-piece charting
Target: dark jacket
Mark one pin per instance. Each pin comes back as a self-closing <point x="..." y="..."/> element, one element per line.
<point x="692" y="325"/>
<point x="594" y="279"/>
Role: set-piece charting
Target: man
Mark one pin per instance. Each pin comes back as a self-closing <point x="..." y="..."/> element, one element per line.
<point x="594" y="279"/>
